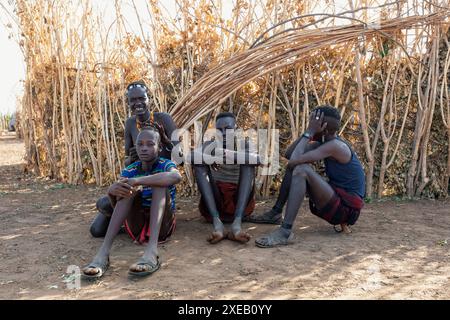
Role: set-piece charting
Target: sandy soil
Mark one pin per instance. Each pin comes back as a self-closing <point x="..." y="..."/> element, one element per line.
<point x="398" y="250"/>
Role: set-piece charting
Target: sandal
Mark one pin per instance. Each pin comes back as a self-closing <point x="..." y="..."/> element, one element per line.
<point x="273" y="240"/>
<point x="268" y="217"/>
<point x="151" y="268"/>
<point x="102" y="268"/>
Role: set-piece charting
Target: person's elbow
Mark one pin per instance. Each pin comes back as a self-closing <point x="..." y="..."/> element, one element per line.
<point x="176" y="176"/>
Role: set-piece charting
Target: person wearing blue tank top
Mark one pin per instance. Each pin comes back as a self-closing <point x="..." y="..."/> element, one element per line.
<point x="337" y="200"/>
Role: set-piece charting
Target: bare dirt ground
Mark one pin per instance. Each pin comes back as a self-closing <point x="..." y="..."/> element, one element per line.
<point x="398" y="250"/>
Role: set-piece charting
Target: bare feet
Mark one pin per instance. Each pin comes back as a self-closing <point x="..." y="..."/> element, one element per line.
<point x="236" y="233"/>
<point x="216" y="236"/>
<point x="219" y="232"/>
<point x="241" y="236"/>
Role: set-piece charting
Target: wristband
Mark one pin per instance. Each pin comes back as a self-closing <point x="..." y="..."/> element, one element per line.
<point x="307" y="135"/>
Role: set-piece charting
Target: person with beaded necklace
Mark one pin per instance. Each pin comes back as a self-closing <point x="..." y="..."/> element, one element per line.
<point x="143" y="115"/>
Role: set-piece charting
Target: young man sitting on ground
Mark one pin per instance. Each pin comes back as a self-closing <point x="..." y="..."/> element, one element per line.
<point x="142" y="108"/>
<point x="148" y="214"/>
<point x="338" y="200"/>
<point x="227" y="189"/>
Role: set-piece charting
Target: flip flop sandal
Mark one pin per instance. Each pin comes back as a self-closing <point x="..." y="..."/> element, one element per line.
<point x="340" y="230"/>
<point x="263" y="218"/>
<point x="152" y="269"/>
<point x="101" y="267"/>
<point x="272" y="245"/>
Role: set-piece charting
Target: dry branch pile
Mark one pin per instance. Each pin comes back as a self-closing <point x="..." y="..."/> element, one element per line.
<point x="4" y="122"/>
<point x="389" y="80"/>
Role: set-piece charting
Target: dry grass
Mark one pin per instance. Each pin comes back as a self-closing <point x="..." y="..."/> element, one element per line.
<point x="268" y="63"/>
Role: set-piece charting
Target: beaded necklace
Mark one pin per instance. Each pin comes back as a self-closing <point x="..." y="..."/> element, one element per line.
<point x="146" y="123"/>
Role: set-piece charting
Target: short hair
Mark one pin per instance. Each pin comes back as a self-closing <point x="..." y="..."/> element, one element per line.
<point x="151" y="129"/>
<point x="329" y="111"/>
<point x="137" y="84"/>
<point x="225" y="115"/>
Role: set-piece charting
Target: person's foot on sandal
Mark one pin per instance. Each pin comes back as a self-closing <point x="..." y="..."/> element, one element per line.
<point x="278" y="237"/>
<point x="219" y="232"/>
<point x="236" y="233"/>
<point x="345" y="229"/>
<point x="96" y="269"/>
<point x="269" y="217"/>
<point x="145" y="267"/>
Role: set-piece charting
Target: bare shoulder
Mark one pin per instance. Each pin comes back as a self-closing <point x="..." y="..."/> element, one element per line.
<point x="342" y="145"/>
<point x="337" y="145"/>
<point x="341" y="151"/>
<point x="130" y="121"/>
<point x="162" y="115"/>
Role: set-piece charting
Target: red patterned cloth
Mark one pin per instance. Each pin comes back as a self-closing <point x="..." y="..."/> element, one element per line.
<point x="227" y="207"/>
<point x="137" y="223"/>
<point x="342" y="208"/>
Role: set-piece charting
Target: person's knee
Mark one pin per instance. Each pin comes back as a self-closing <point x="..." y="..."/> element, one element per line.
<point x="99" y="226"/>
<point x="130" y="200"/>
<point x="103" y="205"/>
<point x="96" y="232"/>
<point x="301" y="170"/>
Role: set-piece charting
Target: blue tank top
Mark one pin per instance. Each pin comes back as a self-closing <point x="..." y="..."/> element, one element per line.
<point x="349" y="176"/>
